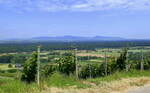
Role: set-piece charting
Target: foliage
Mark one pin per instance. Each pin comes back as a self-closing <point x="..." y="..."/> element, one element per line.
<point x="95" y="70"/>
<point x="10" y="65"/>
<point x="135" y="60"/>
<point x="147" y="62"/>
<point x="30" y="69"/>
<point x="48" y="70"/>
<point x="121" y="61"/>
<point x="67" y="65"/>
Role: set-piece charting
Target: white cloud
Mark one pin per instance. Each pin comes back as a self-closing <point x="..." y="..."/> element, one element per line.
<point x="75" y="5"/>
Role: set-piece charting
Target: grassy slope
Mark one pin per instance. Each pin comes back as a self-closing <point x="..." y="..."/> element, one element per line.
<point x="120" y="75"/>
<point x="116" y="83"/>
<point x="16" y="86"/>
<point x="61" y="81"/>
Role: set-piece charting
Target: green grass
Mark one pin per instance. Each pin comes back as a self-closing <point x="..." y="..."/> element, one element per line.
<point x="119" y="76"/>
<point x="16" y="86"/>
<point x="62" y="81"/>
<point x="56" y="80"/>
<point x="59" y="80"/>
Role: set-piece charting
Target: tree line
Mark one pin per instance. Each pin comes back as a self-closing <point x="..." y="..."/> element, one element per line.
<point x="86" y="45"/>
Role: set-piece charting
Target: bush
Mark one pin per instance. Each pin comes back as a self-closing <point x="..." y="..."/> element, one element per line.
<point x="48" y="70"/>
<point x="67" y="65"/>
<point x="97" y="70"/>
<point x="93" y="70"/>
<point x="10" y="65"/>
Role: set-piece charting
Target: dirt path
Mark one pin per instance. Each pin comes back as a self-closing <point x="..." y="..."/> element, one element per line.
<point x="144" y="89"/>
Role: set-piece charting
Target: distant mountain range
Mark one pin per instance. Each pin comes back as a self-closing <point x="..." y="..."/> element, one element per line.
<point x="77" y="38"/>
<point x="68" y="38"/>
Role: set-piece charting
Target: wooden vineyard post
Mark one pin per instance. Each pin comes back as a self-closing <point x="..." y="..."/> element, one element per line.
<point x="127" y="62"/>
<point x="76" y="62"/>
<point x="90" y="71"/>
<point x="105" y="63"/>
<point x="38" y="65"/>
<point x="142" y="60"/>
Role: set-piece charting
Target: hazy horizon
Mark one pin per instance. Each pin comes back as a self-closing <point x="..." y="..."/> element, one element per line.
<point x="36" y="18"/>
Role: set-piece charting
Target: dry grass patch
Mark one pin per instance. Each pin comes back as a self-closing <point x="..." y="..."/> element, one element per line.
<point x="119" y="86"/>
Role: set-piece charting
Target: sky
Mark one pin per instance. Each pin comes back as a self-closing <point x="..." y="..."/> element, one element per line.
<point x="36" y="18"/>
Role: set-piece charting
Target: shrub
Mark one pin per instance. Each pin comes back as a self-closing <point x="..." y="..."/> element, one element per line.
<point x="48" y="70"/>
<point x="10" y="65"/>
<point x="30" y="69"/>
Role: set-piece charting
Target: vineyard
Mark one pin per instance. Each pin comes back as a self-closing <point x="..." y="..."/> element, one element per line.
<point x="71" y="67"/>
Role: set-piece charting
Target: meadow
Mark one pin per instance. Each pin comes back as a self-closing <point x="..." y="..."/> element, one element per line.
<point x="61" y="82"/>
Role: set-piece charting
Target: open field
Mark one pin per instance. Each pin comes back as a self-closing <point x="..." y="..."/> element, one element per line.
<point x="5" y="67"/>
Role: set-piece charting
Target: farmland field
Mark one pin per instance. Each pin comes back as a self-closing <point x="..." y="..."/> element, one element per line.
<point x="5" y="67"/>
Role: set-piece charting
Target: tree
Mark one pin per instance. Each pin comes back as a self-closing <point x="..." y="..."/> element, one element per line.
<point x="121" y="61"/>
<point x="30" y="69"/>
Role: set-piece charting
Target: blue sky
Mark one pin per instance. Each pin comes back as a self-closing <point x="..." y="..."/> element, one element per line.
<point x="33" y="18"/>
